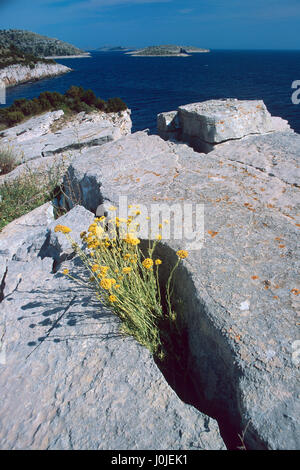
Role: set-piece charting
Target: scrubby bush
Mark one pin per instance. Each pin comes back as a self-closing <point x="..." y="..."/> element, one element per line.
<point x="80" y="106"/>
<point x="100" y="104"/>
<point x="56" y="99"/>
<point x="75" y="92"/>
<point x="14" y="117"/>
<point x="114" y="105"/>
<point x="89" y="97"/>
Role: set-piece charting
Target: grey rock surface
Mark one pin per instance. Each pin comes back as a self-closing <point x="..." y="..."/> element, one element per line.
<point x="53" y="166"/>
<point x="22" y="238"/>
<point x="69" y="380"/>
<point x="206" y="124"/>
<point x="240" y="291"/>
<point x="168" y="125"/>
<point x="36" y="138"/>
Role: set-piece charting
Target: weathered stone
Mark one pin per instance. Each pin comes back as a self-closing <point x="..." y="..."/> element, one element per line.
<point x="35" y="138"/>
<point x="168" y="126"/>
<point x="24" y="234"/>
<point x="34" y="127"/>
<point x="206" y="124"/>
<point x="239" y="291"/>
<point x="54" y="167"/>
<point x="69" y="380"/>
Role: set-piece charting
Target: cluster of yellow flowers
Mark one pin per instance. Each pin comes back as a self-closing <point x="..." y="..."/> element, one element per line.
<point x="182" y="254"/>
<point x="147" y="263"/>
<point x="62" y="229"/>
<point x="123" y="276"/>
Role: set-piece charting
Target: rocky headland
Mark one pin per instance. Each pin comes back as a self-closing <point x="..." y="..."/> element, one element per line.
<point x="37" y="44"/>
<point x="68" y="380"/>
<point x="27" y="56"/>
<point x="17" y="73"/>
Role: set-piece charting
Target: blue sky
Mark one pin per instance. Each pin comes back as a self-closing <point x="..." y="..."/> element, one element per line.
<point x="216" y="24"/>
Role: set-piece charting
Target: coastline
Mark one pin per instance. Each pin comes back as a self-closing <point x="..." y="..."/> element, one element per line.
<point x="158" y="55"/>
<point x="17" y="74"/>
<point x="79" y="56"/>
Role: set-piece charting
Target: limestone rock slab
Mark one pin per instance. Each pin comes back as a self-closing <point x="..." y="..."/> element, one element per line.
<point x="240" y="289"/>
<point x="69" y="380"/>
<point x="216" y="121"/>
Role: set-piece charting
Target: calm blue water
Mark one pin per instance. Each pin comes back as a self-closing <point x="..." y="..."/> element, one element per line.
<point x="153" y="85"/>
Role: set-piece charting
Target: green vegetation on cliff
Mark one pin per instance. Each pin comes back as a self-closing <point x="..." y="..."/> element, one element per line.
<point x="11" y="55"/>
<point x="75" y="100"/>
<point x="35" y="44"/>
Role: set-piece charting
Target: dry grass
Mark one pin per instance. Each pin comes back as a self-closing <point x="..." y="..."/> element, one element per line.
<point x="8" y="160"/>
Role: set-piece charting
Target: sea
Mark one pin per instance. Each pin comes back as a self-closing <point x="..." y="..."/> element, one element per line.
<point x="151" y="85"/>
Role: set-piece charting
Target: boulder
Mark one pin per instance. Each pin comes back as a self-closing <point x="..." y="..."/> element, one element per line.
<point x="207" y="124"/>
<point x="68" y="379"/>
<point x="239" y="288"/>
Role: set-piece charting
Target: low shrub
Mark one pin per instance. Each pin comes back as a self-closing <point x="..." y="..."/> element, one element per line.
<point x="14" y="117"/>
<point x="114" y="105"/>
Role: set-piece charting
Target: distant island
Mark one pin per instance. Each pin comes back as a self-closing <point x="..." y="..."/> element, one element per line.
<point x="113" y="49"/>
<point x="167" y="51"/>
<point x="36" y="45"/>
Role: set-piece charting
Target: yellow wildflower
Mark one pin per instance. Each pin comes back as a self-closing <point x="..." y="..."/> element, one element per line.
<point x="106" y="283"/>
<point x="158" y="261"/>
<point x="182" y="254"/>
<point x="147" y="263"/>
<point x="104" y="269"/>
<point x="131" y="240"/>
<point x="65" y="271"/>
<point x="92" y="227"/>
<point x="127" y="270"/>
<point x="159" y="237"/>
<point x="95" y="267"/>
<point x="62" y="229"/>
<point x="112" y="298"/>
